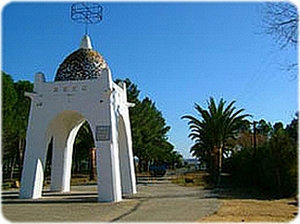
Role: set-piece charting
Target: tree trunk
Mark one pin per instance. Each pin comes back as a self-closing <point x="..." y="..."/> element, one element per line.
<point x="140" y="165"/>
<point x="147" y="166"/>
<point x="21" y="153"/>
<point x="220" y="158"/>
<point x="278" y="182"/>
<point x="76" y="162"/>
<point x="92" y="162"/>
<point x="77" y="167"/>
<point x="215" y="165"/>
<point x="12" y="168"/>
<point x="211" y="166"/>
<point x="5" y="169"/>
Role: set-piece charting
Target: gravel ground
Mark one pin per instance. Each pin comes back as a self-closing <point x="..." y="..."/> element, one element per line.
<point x="156" y="200"/>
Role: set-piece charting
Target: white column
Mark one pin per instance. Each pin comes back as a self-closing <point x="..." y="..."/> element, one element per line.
<point x="107" y="160"/>
<point x="107" y="153"/>
<point x="57" y="165"/>
<point x="129" y="186"/>
<point x="34" y="162"/>
<point x="36" y="147"/>
<point x="109" y="186"/>
<point x="128" y="181"/>
<point x="62" y="159"/>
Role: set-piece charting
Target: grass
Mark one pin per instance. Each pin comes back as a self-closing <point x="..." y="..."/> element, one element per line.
<point x="192" y="179"/>
<point x="82" y="180"/>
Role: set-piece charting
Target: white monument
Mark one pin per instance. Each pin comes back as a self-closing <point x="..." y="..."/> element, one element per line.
<point x="83" y="90"/>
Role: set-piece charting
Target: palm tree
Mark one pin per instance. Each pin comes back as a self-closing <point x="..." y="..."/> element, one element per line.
<point x="216" y="126"/>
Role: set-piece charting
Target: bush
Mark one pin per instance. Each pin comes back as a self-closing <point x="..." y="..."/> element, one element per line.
<point x="273" y="170"/>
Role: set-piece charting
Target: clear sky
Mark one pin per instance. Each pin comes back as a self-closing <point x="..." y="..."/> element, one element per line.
<point x="177" y="53"/>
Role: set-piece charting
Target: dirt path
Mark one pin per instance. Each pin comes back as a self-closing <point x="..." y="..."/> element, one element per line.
<point x="248" y="205"/>
<point x="251" y="210"/>
<point x="156" y="200"/>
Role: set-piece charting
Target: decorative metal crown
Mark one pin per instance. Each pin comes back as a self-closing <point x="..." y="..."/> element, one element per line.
<point x="86" y="12"/>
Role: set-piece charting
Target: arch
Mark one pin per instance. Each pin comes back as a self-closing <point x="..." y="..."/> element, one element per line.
<point x="63" y="128"/>
<point x="63" y="122"/>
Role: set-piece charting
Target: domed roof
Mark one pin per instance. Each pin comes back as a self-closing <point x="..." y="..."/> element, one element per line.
<point x="84" y="63"/>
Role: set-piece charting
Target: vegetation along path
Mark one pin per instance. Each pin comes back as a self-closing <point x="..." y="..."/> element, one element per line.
<point x="157" y="200"/>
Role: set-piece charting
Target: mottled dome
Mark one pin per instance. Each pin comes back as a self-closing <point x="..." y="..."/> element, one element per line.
<point x="85" y="63"/>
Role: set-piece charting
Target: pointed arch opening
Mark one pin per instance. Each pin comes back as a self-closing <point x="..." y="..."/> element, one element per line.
<point x="84" y="157"/>
<point x="71" y="144"/>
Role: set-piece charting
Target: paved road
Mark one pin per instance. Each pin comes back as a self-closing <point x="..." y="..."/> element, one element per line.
<point x="156" y="200"/>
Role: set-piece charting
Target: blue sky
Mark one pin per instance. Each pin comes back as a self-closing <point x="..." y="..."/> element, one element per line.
<point x="177" y="53"/>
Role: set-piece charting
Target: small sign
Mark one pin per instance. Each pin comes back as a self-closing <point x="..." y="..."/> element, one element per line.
<point x="103" y="133"/>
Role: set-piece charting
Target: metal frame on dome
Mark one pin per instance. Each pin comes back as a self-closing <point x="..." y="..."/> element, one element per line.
<point x="86" y="12"/>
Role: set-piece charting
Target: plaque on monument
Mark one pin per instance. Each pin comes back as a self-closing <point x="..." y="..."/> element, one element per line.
<point x="103" y="133"/>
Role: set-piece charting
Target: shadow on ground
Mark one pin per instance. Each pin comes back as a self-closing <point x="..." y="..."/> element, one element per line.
<point x="51" y="198"/>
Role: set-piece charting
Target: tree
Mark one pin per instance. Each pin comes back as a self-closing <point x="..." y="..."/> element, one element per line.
<point x="284" y="158"/>
<point x="149" y="134"/>
<point x="274" y="169"/>
<point x="15" y="110"/>
<point x="149" y="129"/>
<point x="243" y="139"/>
<point x="263" y="127"/>
<point x="281" y="21"/>
<point x="83" y="143"/>
<point x="211" y="133"/>
<point x="22" y="109"/>
<point x="175" y="160"/>
<point x="292" y="128"/>
<point x="9" y="96"/>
